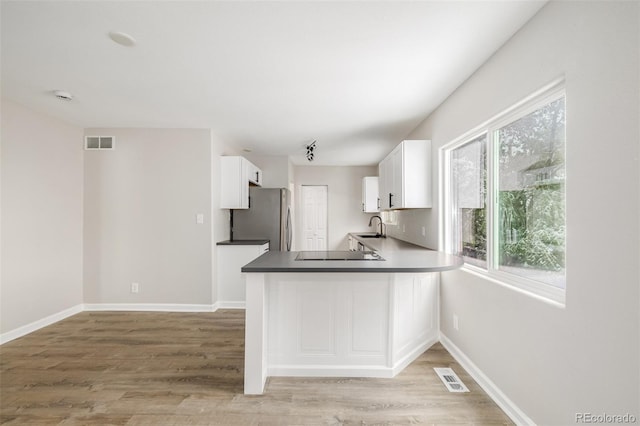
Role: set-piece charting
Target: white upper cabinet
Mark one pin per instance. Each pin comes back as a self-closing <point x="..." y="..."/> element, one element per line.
<point x="236" y="174"/>
<point x="370" y="199"/>
<point x="405" y="176"/>
<point x="385" y="183"/>
<point x="254" y="174"/>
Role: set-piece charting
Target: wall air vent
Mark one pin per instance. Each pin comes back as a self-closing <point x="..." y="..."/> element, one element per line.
<point x="99" y="142"/>
<point x="451" y="380"/>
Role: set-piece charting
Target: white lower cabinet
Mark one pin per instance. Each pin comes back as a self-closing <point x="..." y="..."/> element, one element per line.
<point x="353" y="243"/>
<point x="349" y="324"/>
<point x="231" y="258"/>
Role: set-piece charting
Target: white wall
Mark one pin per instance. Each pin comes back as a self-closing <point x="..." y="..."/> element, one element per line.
<point x="344" y="200"/>
<point x="141" y="201"/>
<point x="275" y="169"/>
<point x="41" y="168"/>
<point x="555" y="362"/>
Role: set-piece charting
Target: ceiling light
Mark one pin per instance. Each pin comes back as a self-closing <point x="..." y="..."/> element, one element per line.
<point x="122" y="39"/>
<point x="61" y="94"/>
<point x="310" y="148"/>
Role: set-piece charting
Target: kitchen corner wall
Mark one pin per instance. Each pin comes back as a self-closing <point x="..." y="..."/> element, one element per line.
<point x="41" y="241"/>
<point x="140" y="205"/>
<point x="344" y="200"/>
<point x="554" y="363"/>
<point x="410" y="223"/>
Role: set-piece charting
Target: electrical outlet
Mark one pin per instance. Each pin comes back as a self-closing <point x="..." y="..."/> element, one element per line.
<point x="456" y="322"/>
<point x="424" y="231"/>
<point x="135" y="288"/>
<point x="200" y="218"/>
<point x="403" y="228"/>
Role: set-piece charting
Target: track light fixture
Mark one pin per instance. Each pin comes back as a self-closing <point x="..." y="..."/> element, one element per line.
<point x="310" y="148"/>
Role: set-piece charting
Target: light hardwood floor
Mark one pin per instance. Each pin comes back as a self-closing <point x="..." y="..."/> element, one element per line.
<point x="148" y="368"/>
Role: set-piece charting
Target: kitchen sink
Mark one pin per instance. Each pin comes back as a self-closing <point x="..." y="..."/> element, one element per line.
<point x="338" y="255"/>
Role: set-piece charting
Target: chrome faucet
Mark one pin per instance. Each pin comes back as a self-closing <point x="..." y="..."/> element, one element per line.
<point x="381" y="233"/>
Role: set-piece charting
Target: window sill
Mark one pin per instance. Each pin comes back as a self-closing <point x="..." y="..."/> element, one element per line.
<point x="542" y="292"/>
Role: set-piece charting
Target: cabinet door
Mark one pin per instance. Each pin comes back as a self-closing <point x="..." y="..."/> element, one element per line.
<point x="396" y="166"/>
<point x="254" y="174"/>
<point x="385" y="183"/>
<point x="353" y="246"/>
<point x="370" y="198"/>
<point x="405" y="176"/>
<point x="231" y="258"/>
<point x="416" y="174"/>
<point x="234" y="187"/>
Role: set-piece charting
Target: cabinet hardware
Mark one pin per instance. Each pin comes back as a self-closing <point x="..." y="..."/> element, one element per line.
<point x="390" y="203"/>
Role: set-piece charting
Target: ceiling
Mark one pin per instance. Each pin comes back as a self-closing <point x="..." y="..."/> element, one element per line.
<point x="267" y="76"/>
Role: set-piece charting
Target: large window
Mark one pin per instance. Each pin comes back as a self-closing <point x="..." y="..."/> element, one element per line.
<point x="505" y="196"/>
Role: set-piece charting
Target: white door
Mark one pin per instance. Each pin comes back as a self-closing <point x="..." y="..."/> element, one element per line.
<point x="314" y="217"/>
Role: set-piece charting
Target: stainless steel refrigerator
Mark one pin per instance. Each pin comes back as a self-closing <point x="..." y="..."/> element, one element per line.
<point x="268" y="217"/>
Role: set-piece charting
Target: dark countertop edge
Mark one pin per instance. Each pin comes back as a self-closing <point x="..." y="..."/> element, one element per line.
<point x="242" y="242"/>
<point x="330" y="270"/>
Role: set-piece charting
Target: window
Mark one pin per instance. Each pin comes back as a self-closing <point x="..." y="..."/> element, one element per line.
<point x="468" y="200"/>
<point x="504" y="196"/>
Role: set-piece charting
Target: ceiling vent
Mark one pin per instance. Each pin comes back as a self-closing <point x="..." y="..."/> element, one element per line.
<point x="451" y="380"/>
<point x="99" y="142"/>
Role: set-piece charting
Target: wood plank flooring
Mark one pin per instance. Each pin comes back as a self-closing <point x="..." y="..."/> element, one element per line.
<point x="148" y="368"/>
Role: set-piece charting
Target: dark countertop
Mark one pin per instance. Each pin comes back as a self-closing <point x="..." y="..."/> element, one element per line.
<point x="242" y="243"/>
<point x="385" y="244"/>
<point x="399" y="256"/>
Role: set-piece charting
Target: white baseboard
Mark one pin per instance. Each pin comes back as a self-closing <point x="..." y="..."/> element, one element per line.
<point x="41" y="323"/>
<point x="352" y="370"/>
<point x="230" y="305"/>
<point x="330" y="371"/>
<point x="150" y="307"/>
<point x="507" y="405"/>
<point x="414" y="354"/>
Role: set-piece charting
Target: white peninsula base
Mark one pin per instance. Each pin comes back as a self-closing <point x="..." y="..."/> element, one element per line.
<point x="337" y="324"/>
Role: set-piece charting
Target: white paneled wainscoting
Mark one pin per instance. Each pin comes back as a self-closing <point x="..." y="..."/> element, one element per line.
<point x="337" y="324"/>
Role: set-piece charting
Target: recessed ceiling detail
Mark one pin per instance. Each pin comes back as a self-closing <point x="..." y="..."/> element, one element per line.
<point x="122" y="39"/>
<point x="62" y="95"/>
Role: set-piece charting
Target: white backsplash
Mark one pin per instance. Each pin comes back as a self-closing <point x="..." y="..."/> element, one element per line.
<point x="410" y="224"/>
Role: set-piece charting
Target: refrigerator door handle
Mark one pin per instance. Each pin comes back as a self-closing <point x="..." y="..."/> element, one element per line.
<point x="288" y="229"/>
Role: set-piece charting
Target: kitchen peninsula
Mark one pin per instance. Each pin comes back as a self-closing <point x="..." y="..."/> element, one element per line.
<point x="341" y="318"/>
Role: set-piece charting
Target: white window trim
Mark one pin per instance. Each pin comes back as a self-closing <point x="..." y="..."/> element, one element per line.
<point x="544" y="96"/>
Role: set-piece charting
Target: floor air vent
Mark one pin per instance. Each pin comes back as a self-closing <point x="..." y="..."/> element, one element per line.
<point x="451" y="380"/>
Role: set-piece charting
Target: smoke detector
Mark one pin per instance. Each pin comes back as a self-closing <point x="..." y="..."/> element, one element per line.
<point x="122" y="39"/>
<point x="61" y="94"/>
